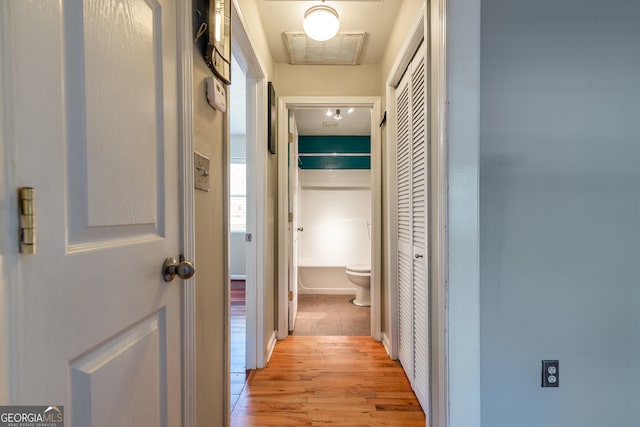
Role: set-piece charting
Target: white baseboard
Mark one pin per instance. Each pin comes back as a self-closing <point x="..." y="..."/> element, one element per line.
<point x="238" y="277"/>
<point x="386" y="343"/>
<point x="270" y="347"/>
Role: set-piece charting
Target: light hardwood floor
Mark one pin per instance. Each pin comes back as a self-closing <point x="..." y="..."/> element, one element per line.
<point x="238" y="340"/>
<point x="328" y="381"/>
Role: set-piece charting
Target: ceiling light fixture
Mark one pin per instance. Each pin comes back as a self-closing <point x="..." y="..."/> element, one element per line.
<point x="329" y="113"/>
<point x="350" y="110"/>
<point x="338" y="116"/>
<point x="321" y="23"/>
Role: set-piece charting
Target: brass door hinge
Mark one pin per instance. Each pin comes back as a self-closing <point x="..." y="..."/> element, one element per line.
<point x="290" y="137"/>
<point x="26" y="205"/>
<point x="290" y="295"/>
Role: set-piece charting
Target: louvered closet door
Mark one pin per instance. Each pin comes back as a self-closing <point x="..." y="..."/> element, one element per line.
<point x="412" y="226"/>
<point x="405" y="263"/>
<point x="419" y="217"/>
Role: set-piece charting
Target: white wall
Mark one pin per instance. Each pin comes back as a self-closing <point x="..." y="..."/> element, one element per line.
<point x="335" y="210"/>
<point x="327" y="80"/>
<point x="560" y="211"/>
<point x="237" y="255"/>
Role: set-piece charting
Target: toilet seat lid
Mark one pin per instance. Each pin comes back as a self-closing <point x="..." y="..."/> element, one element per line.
<point x="359" y="268"/>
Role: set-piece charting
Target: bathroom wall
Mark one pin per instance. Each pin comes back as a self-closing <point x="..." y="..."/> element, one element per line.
<point x="335" y="211"/>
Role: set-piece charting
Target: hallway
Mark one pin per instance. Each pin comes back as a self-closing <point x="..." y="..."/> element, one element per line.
<point x="338" y="380"/>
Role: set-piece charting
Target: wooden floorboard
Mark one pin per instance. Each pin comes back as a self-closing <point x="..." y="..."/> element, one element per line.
<point x="328" y="381"/>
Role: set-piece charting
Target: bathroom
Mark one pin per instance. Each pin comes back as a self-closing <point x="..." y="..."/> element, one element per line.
<point x="334" y="221"/>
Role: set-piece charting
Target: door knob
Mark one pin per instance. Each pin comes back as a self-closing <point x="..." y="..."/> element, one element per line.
<point x="171" y="268"/>
<point x="418" y="256"/>
<point x="300" y="229"/>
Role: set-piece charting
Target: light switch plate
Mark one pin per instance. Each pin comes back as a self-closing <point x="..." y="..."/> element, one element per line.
<point x="201" y="171"/>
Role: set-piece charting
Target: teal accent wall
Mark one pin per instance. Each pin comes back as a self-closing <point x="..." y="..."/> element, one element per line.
<point x="334" y="146"/>
<point x="334" y="162"/>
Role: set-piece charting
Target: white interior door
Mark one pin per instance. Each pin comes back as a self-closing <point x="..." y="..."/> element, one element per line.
<point x="293" y="223"/>
<point x="412" y="229"/>
<point x="419" y="209"/>
<point x="404" y="232"/>
<point x="94" y="116"/>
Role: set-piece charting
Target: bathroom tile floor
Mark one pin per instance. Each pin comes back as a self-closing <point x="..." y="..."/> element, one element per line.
<point x="331" y="315"/>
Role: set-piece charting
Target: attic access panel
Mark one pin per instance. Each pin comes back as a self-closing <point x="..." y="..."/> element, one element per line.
<point x="343" y="49"/>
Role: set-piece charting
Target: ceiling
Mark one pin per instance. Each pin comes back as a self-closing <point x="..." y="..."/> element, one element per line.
<point x="316" y="122"/>
<point x="374" y="17"/>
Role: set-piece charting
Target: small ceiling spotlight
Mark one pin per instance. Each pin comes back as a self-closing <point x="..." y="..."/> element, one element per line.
<point x="350" y="110"/>
<point x="338" y="116"/>
<point x="329" y="113"/>
<point x="321" y="23"/>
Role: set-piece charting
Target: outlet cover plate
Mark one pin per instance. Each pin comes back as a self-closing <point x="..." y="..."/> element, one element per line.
<point x="550" y="373"/>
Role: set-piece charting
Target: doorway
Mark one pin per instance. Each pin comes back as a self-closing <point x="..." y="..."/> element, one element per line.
<point x="238" y="234"/>
<point x="245" y="167"/>
<point x="285" y="298"/>
<point x="331" y="207"/>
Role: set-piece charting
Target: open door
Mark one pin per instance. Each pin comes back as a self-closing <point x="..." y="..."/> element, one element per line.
<point x="293" y="227"/>
<point x="95" y="325"/>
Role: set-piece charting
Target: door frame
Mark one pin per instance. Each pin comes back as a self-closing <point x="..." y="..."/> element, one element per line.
<point x="247" y="58"/>
<point x="286" y="103"/>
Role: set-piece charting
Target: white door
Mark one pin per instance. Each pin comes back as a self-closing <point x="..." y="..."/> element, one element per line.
<point x="93" y="110"/>
<point x="293" y="220"/>
<point x="419" y="209"/>
<point x="412" y="229"/>
<point x="404" y="232"/>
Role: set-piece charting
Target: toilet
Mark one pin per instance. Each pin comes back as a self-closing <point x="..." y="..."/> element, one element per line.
<point x="360" y="275"/>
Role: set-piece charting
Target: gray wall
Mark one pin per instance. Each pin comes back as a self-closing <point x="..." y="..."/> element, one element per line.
<point x="560" y="211"/>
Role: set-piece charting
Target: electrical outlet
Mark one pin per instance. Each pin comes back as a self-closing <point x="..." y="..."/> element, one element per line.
<point x="550" y="373"/>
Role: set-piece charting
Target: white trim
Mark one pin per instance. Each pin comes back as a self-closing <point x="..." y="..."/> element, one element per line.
<point x="386" y="342"/>
<point x="271" y="345"/>
<point x="407" y="51"/>
<point x="282" y="220"/>
<point x="245" y="54"/>
<point x="463" y="135"/>
<point x="185" y="102"/>
<point x="373" y="102"/>
<point x="436" y="28"/>
<point x="238" y="276"/>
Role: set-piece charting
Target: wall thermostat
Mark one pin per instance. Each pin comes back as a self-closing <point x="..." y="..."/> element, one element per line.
<point x="216" y="94"/>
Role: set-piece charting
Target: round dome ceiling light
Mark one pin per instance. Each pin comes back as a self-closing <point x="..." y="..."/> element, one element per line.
<point x="321" y="23"/>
